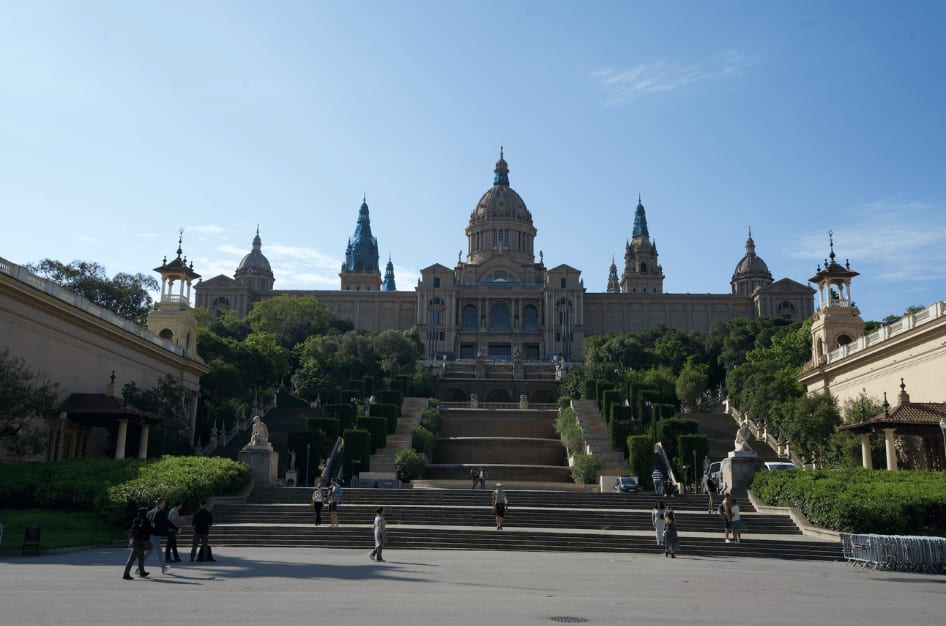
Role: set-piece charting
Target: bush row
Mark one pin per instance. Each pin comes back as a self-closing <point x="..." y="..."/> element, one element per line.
<point x="906" y="502"/>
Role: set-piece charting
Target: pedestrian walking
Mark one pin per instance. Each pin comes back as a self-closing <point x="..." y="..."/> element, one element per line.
<point x="380" y="535"/>
<point x="202" y="521"/>
<point x="475" y="475"/>
<point x="671" y="538"/>
<point x="160" y="527"/>
<point x="708" y="488"/>
<point x="500" y="505"/>
<point x="658" y="479"/>
<point x="734" y="521"/>
<point x="334" y="498"/>
<point x="657" y="518"/>
<point x="139" y="540"/>
<point x="482" y="477"/>
<point x="170" y="551"/>
<point x="318" y="499"/>
<point x="725" y="510"/>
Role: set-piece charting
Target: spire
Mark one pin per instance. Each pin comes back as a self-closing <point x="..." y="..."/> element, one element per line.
<point x="389" y="284"/>
<point x="257" y="242"/>
<point x="502" y="171"/>
<point x="180" y="240"/>
<point x="750" y="244"/>
<point x="613" y="285"/>
<point x="640" y="220"/>
<point x="362" y="252"/>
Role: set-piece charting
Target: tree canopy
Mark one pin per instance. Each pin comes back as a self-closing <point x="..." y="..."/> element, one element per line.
<point x="26" y="397"/>
<point x="127" y="295"/>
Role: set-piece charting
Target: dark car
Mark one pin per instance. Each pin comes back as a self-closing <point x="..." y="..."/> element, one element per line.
<point x="626" y="484"/>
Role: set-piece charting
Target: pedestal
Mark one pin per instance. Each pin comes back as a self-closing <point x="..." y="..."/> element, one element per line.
<point x="262" y="462"/>
<point x="739" y="468"/>
<point x="292" y="478"/>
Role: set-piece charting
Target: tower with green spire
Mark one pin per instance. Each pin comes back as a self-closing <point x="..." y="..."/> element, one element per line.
<point x="388" y="283"/>
<point x="360" y="271"/>
<point x="642" y="271"/>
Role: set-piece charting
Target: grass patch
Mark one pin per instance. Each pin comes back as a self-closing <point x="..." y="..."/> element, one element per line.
<point x="58" y="529"/>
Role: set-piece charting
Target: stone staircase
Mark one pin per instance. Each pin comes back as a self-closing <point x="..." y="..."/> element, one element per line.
<point x="537" y="521"/>
<point x="383" y="459"/>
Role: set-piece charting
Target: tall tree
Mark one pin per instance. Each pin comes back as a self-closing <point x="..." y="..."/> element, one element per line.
<point x="26" y="397"/>
<point x="127" y="295"/>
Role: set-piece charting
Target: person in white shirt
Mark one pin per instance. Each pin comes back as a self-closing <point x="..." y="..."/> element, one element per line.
<point x="734" y="521"/>
<point x="380" y="535"/>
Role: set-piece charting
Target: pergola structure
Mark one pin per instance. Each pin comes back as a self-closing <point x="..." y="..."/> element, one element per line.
<point x="90" y="410"/>
<point x="918" y="419"/>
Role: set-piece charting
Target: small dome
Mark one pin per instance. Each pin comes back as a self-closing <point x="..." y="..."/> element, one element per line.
<point x="751" y="265"/>
<point x="255" y="262"/>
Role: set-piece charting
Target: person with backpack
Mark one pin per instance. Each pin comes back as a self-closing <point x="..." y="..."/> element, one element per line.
<point x="138" y="541"/>
<point x="160" y="528"/>
<point x="202" y="521"/>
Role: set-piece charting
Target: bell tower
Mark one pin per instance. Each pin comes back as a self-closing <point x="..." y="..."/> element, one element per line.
<point x="837" y="322"/>
<point x="173" y="319"/>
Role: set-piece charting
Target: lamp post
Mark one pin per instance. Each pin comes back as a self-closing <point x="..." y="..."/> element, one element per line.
<point x="62" y="433"/>
<point x="694" y="471"/>
<point x="308" y="449"/>
<point x="942" y="427"/>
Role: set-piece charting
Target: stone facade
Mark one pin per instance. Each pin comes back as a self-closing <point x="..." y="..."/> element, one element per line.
<point x="500" y="302"/>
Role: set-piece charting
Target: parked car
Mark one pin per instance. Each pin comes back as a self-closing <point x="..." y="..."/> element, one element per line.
<point x="625" y="484"/>
<point x="716" y="472"/>
<point x="779" y="465"/>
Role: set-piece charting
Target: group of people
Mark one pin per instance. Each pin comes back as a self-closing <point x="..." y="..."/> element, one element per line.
<point x="479" y="477"/>
<point x="151" y="525"/>
<point x="319" y="498"/>
<point x="664" y="521"/>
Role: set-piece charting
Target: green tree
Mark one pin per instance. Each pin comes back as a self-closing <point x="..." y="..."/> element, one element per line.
<point x="166" y="398"/>
<point x="291" y="319"/>
<point x="127" y="295"/>
<point x="809" y="424"/>
<point x="691" y="383"/>
<point x="26" y="398"/>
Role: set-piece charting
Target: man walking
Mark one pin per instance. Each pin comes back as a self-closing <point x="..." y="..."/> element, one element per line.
<point x="170" y="551"/>
<point x="725" y="510"/>
<point x="482" y="479"/>
<point x="159" y="520"/>
<point x="334" y="497"/>
<point x="202" y="521"/>
<point x="658" y="478"/>
<point x="380" y="535"/>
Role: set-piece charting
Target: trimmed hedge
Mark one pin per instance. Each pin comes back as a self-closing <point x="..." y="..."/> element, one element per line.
<point x="392" y="396"/>
<point x="378" y="427"/>
<point x="330" y="426"/>
<point x="640" y="458"/>
<point x="670" y="430"/>
<point x="588" y="389"/>
<point x="619" y="431"/>
<point x="609" y="399"/>
<point x="390" y="412"/>
<point x="905" y="502"/>
<point x="345" y="413"/>
<point x="432" y="420"/>
<point x="357" y="446"/>
<point x="422" y="440"/>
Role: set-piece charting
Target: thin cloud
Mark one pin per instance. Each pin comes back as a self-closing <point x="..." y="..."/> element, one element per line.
<point x="624" y="85"/>
<point x="896" y="241"/>
<point x="209" y="229"/>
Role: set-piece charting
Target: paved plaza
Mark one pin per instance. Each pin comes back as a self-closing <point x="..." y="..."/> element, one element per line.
<point x="416" y="587"/>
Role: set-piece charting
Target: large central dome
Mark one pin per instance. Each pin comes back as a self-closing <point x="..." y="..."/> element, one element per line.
<point x="501" y="224"/>
<point x="501" y="202"/>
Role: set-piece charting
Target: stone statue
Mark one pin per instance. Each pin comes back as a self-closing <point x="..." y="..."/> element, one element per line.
<point x="292" y="460"/>
<point x="742" y="437"/>
<point x="260" y="436"/>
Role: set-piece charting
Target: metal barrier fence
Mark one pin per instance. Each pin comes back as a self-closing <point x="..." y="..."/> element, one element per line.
<point x="894" y="552"/>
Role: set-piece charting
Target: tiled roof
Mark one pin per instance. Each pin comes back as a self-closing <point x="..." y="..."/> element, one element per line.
<point x="919" y="413"/>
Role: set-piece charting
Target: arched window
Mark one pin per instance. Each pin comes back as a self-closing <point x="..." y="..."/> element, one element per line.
<point x="564" y="283"/>
<point x="643" y="268"/>
<point x="166" y="334"/>
<point x="499" y="316"/>
<point x="530" y="318"/>
<point x="469" y="317"/>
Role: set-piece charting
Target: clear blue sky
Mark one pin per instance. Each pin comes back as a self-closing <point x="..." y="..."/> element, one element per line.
<point x="121" y="122"/>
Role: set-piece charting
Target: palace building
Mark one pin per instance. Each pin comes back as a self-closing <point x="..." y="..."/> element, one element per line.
<point x="501" y="303"/>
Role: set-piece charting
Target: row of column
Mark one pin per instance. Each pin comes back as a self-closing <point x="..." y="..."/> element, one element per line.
<point x="889" y="448"/>
<point x="123" y="436"/>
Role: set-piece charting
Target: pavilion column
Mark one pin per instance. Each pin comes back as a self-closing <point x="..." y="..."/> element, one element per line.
<point x="891" y="449"/>
<point x="865" y="451"/>
<point x="120" y="440"/>
<point x="143" y="442"/>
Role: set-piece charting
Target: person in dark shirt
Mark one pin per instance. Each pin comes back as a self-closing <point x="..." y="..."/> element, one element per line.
<point x="140" y="535"/>
<point x="202" y="521"/>
<point x="162" y="526"/>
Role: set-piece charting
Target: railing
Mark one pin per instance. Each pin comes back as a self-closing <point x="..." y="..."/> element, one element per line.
<point x="537" y="406"/>
<point x="904" y="324"/>
<point x="894" y="552"/>
<point x="56" y="291"/>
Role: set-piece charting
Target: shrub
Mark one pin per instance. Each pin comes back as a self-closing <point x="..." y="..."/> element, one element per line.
<point x="588" y="389"/>
<point x="389" y="412"/>
<point x="357" y="447"/>
<point x="392" y="396"/>
<point x="422" y="440"/>
<point x="432" y="420"/>
<point x="859" y="500"/>
<point x="433" y="403"/>
<point x="586" y="468"/>
<point x="378" y="427"/>
<point x="570" y="431"/>
<point x="669" y="430"/>
<point x="564" y="402"/>
<point x="640" y="457"/>
<point x="328" y="425"/>
<point x="619" y="431"/>
<point x="609" y="398"/>
<point x="409" y="465"/>
<point x="345" y="413"/>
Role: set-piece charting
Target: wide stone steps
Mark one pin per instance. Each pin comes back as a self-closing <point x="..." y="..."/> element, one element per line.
<point x="537" y="521"/>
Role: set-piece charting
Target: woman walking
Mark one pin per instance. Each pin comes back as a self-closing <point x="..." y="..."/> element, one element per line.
<point x="657" y="519"/>
<point x="318" y="499"/>
<point x="671" y="539"/>
<point x="500" y="504"/>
